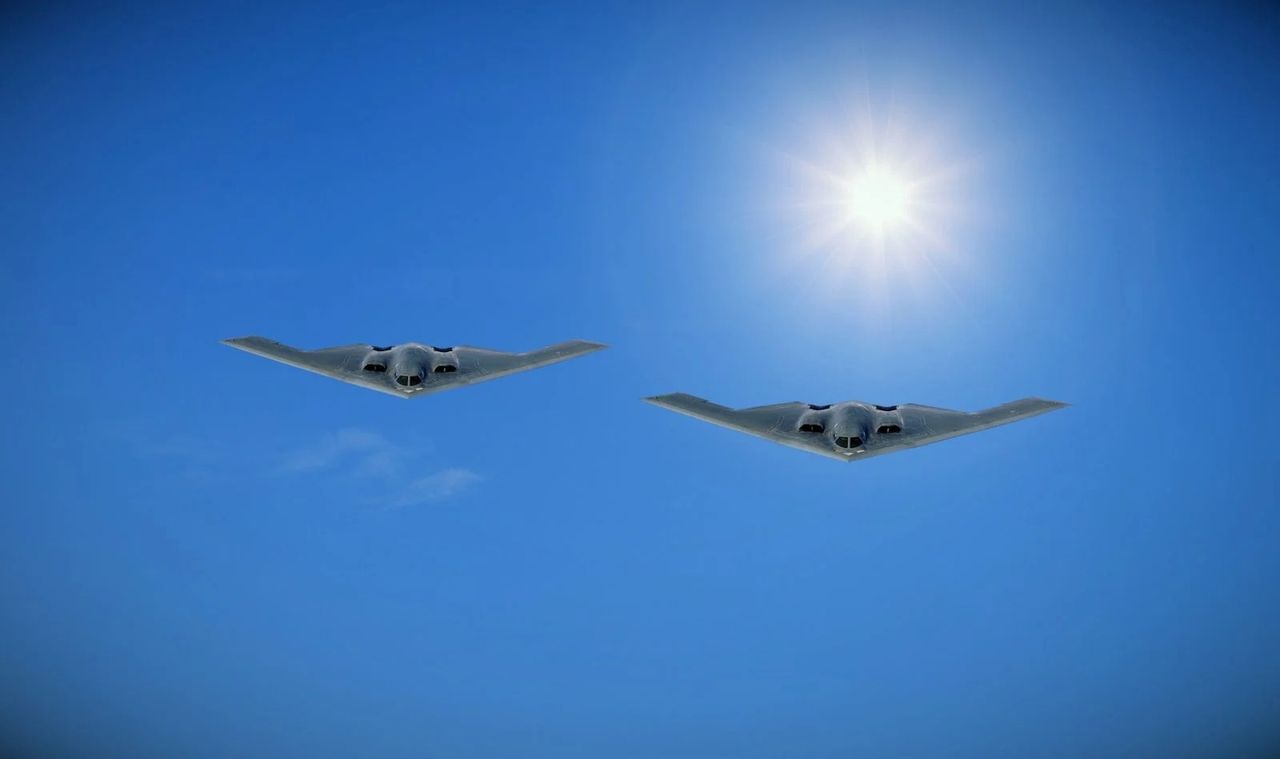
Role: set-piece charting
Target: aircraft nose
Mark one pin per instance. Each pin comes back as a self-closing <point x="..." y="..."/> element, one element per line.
<point x="848" y="442"/>
<point x="849" y="437"/>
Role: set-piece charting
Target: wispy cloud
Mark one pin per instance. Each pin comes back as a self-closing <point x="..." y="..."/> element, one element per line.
<point x="383" y="472"/>
<point x="365" y="453"/>
<point x="436" y="487"/>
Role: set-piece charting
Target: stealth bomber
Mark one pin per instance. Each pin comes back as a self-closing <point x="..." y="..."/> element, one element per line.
<point x="853" y="430"/>
<point x="411" y="370"/>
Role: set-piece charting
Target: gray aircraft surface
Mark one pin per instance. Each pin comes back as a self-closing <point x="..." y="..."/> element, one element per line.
<point x="853" y="430"/>
<point x="411" y="370"/>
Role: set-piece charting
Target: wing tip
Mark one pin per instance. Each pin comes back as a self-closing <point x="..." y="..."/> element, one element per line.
<point x="567" y="349"/>
<point x="1026" y="407"/>
<point x="1047" y="403"/>
<point x="588" y="346"/>
<point x="261" y="346"/>
<point x="668" y="400"/>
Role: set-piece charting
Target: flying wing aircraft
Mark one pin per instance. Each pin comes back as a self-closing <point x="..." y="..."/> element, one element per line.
<point x="411" y="369"/>
<point x="853" y="430"/>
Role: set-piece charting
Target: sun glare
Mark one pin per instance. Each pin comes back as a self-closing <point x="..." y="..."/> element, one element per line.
<point x="879" y="199"/>
<point x="875" y="214"/>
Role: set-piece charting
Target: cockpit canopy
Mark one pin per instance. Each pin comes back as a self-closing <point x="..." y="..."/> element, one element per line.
<point x="848" y="442"/>
<point x="409" y="364"/>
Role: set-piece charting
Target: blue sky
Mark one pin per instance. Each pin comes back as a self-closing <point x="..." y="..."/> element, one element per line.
<point x="205" y="554"/>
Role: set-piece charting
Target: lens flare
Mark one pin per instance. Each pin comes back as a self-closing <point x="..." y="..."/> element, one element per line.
<point x="870" y="215"/>
<point x="879" y="199"/>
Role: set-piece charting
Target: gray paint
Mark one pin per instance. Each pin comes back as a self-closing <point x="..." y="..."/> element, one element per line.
<point x="431" y="369"/>
<point x="872" y="425"/>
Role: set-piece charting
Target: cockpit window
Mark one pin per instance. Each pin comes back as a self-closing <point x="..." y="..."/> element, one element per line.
<point x="373" y="367"/>
<point x="849" y="442"/>
<point x="408" y="380"/>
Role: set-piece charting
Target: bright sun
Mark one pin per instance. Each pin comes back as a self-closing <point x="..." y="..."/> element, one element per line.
<point x="879" y="199"/>
<point x="872" y="210"/>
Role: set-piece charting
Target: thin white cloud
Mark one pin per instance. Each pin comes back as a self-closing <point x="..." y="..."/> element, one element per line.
<point x="365" y="453"/>
<point x="436" y="487"/>
<point x="388" y="472"/>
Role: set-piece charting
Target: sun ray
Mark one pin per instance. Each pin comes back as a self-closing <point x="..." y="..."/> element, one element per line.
<point x="872" y="213"/>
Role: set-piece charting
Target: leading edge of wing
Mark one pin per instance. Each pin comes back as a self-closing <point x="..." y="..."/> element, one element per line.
<point x="560" y="352"/>
<point x="698" y="408"/>
<point x="310" y="361"/>
<point x="276" y="351"/>
<point x="741" y="419"/>
<point x="939" y="424"/>
<point x="488" y="364"/>
<point x="1013" y="411"/>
